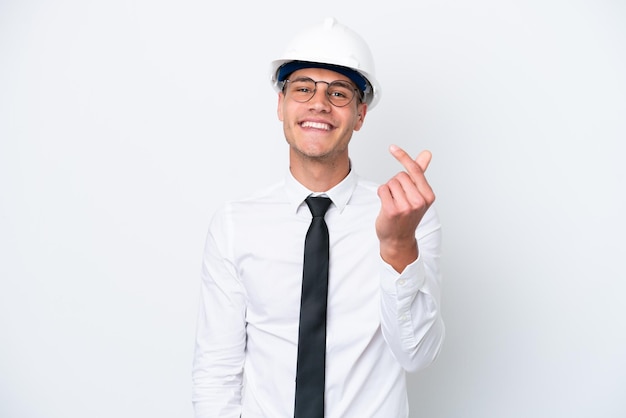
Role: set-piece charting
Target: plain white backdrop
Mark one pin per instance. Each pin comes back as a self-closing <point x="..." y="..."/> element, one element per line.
<point x="125" y="123"/>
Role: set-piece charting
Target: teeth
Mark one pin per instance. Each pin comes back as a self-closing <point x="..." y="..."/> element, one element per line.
<point x="316" y="125"/>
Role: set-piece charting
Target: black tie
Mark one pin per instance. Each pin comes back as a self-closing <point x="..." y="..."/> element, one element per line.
<point x="312" y="335"/>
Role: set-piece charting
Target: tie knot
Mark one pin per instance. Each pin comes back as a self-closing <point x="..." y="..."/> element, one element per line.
<point x="318" y="205"/>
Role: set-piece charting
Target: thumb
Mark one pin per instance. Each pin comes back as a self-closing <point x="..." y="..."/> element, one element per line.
<point x="423" y="159"/>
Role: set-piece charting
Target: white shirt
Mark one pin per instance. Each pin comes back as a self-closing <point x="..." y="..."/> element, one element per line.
<point x="380" y="323"/>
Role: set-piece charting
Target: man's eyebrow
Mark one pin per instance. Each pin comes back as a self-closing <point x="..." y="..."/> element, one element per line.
<point x="302" y="78"/>
<point x="347" y="82"/>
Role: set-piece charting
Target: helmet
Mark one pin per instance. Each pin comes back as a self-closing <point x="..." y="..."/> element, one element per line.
<point x="333" y="44"/>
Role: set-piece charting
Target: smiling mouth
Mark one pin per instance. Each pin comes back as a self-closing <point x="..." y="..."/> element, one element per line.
<point x="316" y="125"/>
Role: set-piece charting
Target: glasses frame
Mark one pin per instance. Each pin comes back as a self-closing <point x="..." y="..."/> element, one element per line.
<point x="355" y="90"/>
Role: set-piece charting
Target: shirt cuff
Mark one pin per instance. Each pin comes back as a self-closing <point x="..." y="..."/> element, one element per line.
<point x="406" y="283"/>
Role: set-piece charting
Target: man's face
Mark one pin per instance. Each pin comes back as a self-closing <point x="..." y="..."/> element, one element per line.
<point x="316" y="129"/>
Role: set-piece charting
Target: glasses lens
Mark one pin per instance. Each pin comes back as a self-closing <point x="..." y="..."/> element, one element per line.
<point x="301" y="90"/>
<point x="340" y="93"/>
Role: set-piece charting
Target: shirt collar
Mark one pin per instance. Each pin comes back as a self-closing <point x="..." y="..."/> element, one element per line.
<point x="339" y="194"/>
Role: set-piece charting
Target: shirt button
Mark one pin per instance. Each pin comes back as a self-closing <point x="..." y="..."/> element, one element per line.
<point x="402" y="282"/>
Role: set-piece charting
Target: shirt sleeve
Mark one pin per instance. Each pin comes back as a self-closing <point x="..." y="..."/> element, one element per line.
<point x="411" y="319"/>
<point x="221" y="328"/>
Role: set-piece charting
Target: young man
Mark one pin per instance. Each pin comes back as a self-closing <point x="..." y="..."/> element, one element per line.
<point x="381" y="315"/>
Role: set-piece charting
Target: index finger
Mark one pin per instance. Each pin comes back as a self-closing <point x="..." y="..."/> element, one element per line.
<point x="422" y="161"/>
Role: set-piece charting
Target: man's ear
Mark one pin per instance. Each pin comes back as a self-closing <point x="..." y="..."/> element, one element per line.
<point x="361" y="112"/>
<point x="279" y="110"/>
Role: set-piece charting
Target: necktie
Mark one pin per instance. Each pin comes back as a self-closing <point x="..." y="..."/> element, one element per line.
<point x="312" y="335"/>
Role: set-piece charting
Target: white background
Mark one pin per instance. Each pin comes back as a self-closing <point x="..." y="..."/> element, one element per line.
<point x="124" y="123"/>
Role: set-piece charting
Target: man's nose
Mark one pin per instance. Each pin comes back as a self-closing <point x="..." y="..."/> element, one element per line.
<point x="320" y="98"/>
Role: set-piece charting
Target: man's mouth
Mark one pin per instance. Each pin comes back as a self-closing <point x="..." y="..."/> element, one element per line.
<point x="316" y="125"/>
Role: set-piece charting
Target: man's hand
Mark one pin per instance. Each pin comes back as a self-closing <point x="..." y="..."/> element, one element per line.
<point x="405" y="198"/>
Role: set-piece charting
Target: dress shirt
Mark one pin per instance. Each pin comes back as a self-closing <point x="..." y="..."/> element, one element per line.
<point x="380" y="323"/>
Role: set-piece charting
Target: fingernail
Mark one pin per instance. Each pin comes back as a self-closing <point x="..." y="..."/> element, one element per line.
<point x="393" y="148"/>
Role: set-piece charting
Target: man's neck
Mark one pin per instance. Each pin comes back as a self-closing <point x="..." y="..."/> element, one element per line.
<point x="319" y="176"/>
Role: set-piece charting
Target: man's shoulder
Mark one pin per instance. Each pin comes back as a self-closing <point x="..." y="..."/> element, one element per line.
<point x="268" y="193"/>
<point x="273" y="193"/>
<point x="367" y="184"/>
<point x="365" y="191"/>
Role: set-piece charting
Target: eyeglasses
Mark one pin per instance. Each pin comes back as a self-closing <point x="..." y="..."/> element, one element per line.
<point x="339" y="93"/>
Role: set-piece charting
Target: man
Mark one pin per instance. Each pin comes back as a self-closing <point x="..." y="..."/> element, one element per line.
<point x="382" y="316"/>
